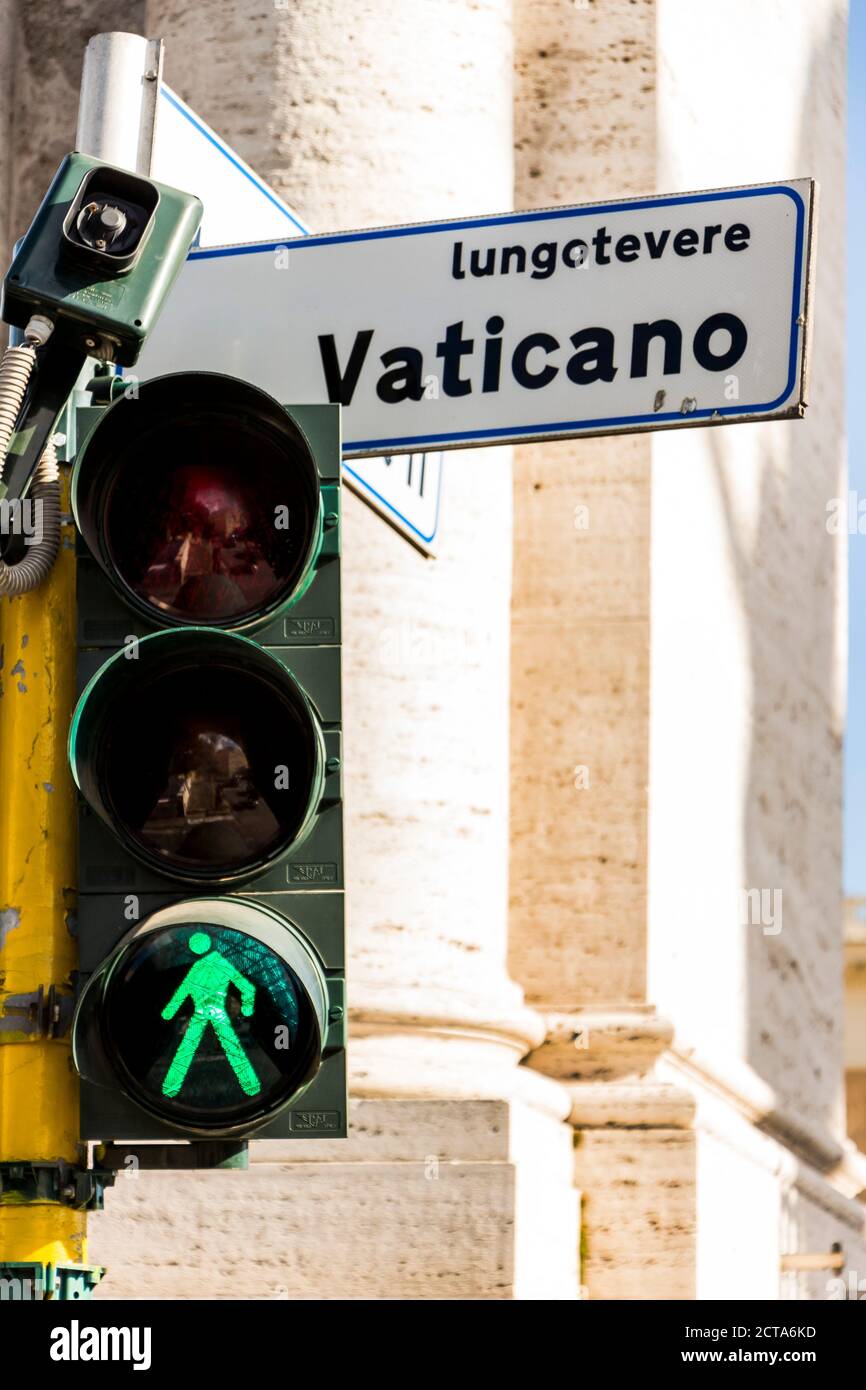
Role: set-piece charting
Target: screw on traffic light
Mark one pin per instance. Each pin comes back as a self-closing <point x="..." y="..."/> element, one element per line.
<point x="206" y="745"/>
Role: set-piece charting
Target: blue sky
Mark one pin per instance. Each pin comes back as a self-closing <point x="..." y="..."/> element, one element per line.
<point x="855" y="743"/>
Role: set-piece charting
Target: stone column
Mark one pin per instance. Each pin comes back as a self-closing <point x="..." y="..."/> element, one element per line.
<point x="748" y="681"/>
<point x="580" y="662"/>
<point x="358" y="115"/>
<point x="675" y="737"/>
<point x="9" y="40"/>
<point x="585" y="130"/>
<point x="855" y="1019"/>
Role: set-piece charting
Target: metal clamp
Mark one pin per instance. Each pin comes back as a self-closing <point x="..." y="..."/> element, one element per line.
<point x="26" y="1180"/>
<point x="45" y="1013"/>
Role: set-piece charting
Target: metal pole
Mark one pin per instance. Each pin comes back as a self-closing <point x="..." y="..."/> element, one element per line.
<point x="119" y="96"/>
<point x="40" y="1224"/>
<point x="38" y="1085"/>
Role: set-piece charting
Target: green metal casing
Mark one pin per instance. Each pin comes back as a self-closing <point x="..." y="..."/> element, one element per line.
<point x="305" y="886"/>
<point x="103" y="316"/>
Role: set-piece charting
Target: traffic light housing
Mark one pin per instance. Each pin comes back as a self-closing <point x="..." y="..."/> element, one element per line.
<point x="206" y="745"/>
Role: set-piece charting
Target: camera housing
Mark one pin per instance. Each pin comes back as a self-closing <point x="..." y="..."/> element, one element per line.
<point x="100" y="257"/>
<point x="111" y="217"/>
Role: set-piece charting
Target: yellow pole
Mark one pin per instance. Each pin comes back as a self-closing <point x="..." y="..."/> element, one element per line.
<point x="38" y="1084"/>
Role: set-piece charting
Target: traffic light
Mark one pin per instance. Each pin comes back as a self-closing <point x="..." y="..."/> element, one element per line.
<point x="206" y="746"/>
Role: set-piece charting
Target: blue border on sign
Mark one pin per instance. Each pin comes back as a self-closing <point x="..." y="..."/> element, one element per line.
<point x="550" y="215"/>
<point x="391" y="508"/>
<point x="242" y="168"/>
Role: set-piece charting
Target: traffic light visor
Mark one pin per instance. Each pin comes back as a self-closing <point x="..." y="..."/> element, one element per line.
<point x="200" y="499"/>
<point x="201" y="752"/>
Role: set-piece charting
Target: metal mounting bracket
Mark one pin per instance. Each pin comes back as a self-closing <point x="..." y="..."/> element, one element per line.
<point x="28" y="1180"/>
<point x="26" y="1281"/>
<point x="57" y="371"/>
<point x="44" y="1013"/>
<point x="201" y="1154"/>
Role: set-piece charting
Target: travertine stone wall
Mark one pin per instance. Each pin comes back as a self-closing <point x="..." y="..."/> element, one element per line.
<point x="8" y="50"/>
<point x="639" y="1212"/>
<point x="694" y="612"/>
<point x="584" y="130"/>
<point x="743" y="789"/>
<point x="41" y="52"/>
<point x="425" y="1200"/>
<point x="748" y="616"/>
<point x="359" y="114"/>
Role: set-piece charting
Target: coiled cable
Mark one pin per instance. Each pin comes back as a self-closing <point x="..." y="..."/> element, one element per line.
<point x="16" y="370"/>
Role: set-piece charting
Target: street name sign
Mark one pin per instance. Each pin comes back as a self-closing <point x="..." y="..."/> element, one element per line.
<point x="240" y="206"/>
<point x="644" y="314"/>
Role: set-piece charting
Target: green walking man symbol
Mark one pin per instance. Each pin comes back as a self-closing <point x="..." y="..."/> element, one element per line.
<point x="206" y="984"/>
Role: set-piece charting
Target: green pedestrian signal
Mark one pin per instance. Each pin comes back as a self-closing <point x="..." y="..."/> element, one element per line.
<point x="207" y="748"/>
<point x="212" y="1013"/>
<point x="206" y="986"/>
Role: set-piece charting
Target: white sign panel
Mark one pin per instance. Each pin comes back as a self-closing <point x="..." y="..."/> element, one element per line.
<point x="408" y="485"/>
<point x="650" y="313"/>
<point x="239" y="206"/>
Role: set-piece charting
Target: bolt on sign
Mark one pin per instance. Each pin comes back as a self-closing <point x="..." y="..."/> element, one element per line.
<point x="622" y="316"/>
